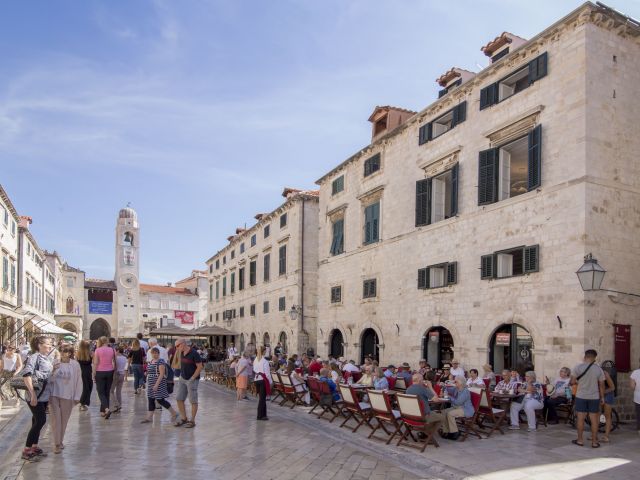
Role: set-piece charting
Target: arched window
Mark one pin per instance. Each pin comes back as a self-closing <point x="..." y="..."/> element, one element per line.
<point x="369" y="345"/>
<point x="511" y="348"/>
<point x="70" y="305"/>
<point x="128" y="239"/>
<point x="336" y="349"/>
<point x="437" y="347"/>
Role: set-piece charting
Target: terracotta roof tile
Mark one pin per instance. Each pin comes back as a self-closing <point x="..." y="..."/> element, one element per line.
<point x="387" y="108"/>
<point x="500" y="41"/>
<point x="146" y="287"/>
<point x="100" y="283"/>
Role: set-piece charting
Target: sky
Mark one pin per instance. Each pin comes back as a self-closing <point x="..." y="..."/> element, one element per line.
<point x="199" y="113"/>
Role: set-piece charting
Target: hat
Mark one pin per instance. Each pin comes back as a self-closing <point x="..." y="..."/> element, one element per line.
<point x="406" y="365"/>
<point x="341" y="360"/>
<point x="446" y="366"/>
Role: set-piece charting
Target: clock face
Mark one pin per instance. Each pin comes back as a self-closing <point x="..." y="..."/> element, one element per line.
<point x="128" y="280"/>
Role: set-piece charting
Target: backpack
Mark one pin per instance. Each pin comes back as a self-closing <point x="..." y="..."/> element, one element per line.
<point x="168" y="374"/>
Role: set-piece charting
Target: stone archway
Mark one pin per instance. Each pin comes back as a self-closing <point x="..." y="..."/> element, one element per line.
<point x="336" y="344"/>
<point x="99" y="328"/>
<point x="369" y="342"/>
<point x="69" y="326"/>
<point x="266" y="340"/>
<point x="282" y="339"/>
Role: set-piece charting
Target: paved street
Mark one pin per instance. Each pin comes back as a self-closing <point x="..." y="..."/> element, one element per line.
<point x="228" y="443"/>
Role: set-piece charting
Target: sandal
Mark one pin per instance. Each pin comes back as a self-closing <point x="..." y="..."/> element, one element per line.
<point x="595" y="445"/>
<point x="576" y="442"/>
<point x="180" y="423"/>
<point x="189" y="424"/>
<point x="146" y="420"/>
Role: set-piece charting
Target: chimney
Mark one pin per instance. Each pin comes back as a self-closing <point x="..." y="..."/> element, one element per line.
<point x="502" y="45"/>
<point x="168" y="284"/>
<point x="386" y="118"/>
<point x="288" y="191"/>
<point x="452" y="78"/>
<point x="25" y="221"/>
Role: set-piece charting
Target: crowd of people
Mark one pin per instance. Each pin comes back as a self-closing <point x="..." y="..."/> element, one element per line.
<point x="58" y="377"/>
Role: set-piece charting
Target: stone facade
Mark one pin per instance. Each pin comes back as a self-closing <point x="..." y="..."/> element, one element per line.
<point x="9" y="218"/>
<point x="585" y="201"/>
<point x="262" y="312"/>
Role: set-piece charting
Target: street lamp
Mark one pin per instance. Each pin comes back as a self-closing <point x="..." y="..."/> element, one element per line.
<point x="294" y="312"/>
<point x="591" y="274"/>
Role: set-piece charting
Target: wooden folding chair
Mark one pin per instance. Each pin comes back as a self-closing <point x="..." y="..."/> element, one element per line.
<point x="413" y="419"/>
<point x="359" y="411"/>
<point x="277" y="389"/>
<point x="469" y="425"/>
<point x="400" y="385"/>
<point x="292" y="393"/>
<point x="488" y="413"/>
<point x="384" y="414"/>
<point x="328" y="403"/>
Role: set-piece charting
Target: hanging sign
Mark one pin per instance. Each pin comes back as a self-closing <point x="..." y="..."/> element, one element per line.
<point x="503" y="339"/>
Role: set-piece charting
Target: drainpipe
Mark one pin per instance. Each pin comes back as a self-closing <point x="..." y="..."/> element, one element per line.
<point x="302" y="274"/>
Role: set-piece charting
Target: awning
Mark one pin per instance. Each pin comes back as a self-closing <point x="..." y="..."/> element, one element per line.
<point x="48" y="327"/>
<point x="9" y="312"/>
<point x="213" y="330"/>
<point x="172" y="332"/>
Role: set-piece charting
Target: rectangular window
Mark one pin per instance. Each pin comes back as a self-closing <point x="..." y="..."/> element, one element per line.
<point x="13" y="228"/>
<point x="337" y="185"/>
<point x="224" y="260"/>
<point x="241" y="312"/>
<point x="211" y="268"/>
<point x="232" y="282"/>
<point x="252" y="273"/>
<point x="241" y="279"/>
<point x="266" y="267"/>
<point x="218" y="264"/>
<point x="515" y="82"/>
<point x="436" y="276"/>
<point x="242" y="247"/>
<point x="252" y="310"/>
<point x="499" y="55"/>
<point x="510" y="170"/>
<point x="217" y="313"/>
<point x="233" y="254"/>
<point x="369" y="288"/>
<point x="337" y="242"/>
<point x="444" y="91"/>
<point x="253" y="240"/>
<point x="5" y="216"/>
<point x="13" y="278"/>
<point x="336" y="294"/>
<point x="437" y="197"/>
<point x="265" y="306"/>
<point x="5" y="273"/>
<point x="283" y="220"/>
<point x="372" y="165"/>
<point x="217" y="289"/>
<point x="282" y="260"/>
<point x="266" y="230"/>
<point x="224" y="286"/>
<point x="281" y="304"/>
<point x="443" y="123"/>
<point x="210" y="291"/>
<point x="510" y="263"/>
<point x="371" y="223"/>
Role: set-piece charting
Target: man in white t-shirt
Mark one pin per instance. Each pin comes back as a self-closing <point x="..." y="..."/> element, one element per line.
<point x="164" y="354"/>
<point x="232" y="351"/>
<point x="143" y="343"/>
<point x="634" y="380"/>
<point x="350" y="366"/>
<point x="456" y="369"/>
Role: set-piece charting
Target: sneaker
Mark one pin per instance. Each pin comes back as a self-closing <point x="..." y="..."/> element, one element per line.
<point x="514" y="427"/>
<point x="531" y="429"/>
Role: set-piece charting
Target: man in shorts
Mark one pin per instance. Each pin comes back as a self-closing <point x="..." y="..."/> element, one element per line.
<point x="589" y="397"/>
<point x="190" y="367"/>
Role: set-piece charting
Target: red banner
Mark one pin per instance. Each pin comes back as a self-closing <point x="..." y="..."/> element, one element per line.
<point x="184" y="317"/>
<point x="622" y="347"/>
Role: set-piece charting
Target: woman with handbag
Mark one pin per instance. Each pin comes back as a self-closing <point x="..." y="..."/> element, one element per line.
<point x="66" y="390"/>
<point x="104" y="365"/>
<point x="157" y="386"/>
<point x="34" y="377"/>
<point x="10" y="363"/>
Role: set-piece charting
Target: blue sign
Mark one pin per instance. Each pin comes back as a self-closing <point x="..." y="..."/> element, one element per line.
<point x="104" y="308"/>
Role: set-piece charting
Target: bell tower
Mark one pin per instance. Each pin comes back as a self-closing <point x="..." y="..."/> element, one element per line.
<point x="127" y="273"/>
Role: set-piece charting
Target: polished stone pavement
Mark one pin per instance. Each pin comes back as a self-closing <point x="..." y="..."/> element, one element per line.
<point x="228" y="443"/>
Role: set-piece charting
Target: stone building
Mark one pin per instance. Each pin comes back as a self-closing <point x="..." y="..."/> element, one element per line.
<point x="9" y="218"/>
<point x="262" y="284"/>
<point x="459" y="231"/>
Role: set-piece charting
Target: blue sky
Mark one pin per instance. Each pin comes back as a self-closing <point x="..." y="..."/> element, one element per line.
<point x="200" y="112"/>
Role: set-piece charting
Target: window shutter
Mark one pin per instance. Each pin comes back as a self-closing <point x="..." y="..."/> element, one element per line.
<point x="454" y="189"/>
<point x="340" y="242"/>
<point x="487" y="267"/>
<point x="531" y="258"/>
<point x="452" y="273"/>
<point x="534" y="173"/>
<point x="487" y="176"/>
<point x="423" y="136"/>
<point x="488" y="96"/>
<point x="423" y="202"/>
<point x="423" y="278"/>
<point x="375" y="222"/>
<point x="538" y="68"/>
<point x="367" y="225"/>
<point x="459" y="114"/>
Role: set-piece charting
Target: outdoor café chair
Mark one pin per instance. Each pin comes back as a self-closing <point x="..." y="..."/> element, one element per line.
<point x="488" y="413"/>
<point x="469" y="425"/>
<point x="359" y="411"/>
<point x="413" y="419"/>
<point x="384" y="414"/>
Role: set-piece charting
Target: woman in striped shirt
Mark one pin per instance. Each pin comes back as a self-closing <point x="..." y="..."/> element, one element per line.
<point x="157" y="386"/>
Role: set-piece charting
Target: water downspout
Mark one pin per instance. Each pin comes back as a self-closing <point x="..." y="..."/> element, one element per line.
<point x="302" y="274"/>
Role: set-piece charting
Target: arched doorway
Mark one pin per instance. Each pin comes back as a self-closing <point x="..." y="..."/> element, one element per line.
<point x="253" y="340"/>
<point x="266" y="341"/>
<point x="511" y="347"/>
<point x="241" y="342"/>
<point x="99" y="328"/>
<point x="282" y="339"/>
<point x="336" y="349"/>
<point x="369" y="345"/>
<point x="437" y="347"/>
<point x="71" y="327"/>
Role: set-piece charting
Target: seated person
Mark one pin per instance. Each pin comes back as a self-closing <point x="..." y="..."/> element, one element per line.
<point x="474" y="380"/>
<point x="456" y="369"/>
<point x="531" y="401"/>
<point x="350" y="366"/>
<point x="315" y="366"/>
<point x="488" y="374"/>
<point x="299" y="384"/>
<point x="446" y="374"/>
<point x="325" y="377"/>
<point x="405" y="373"/>
<point x="461" y="407"/>
<point x="366" y="378"/>
<point x="559" y="395"/>
<point x="336" y="375"/>
<point x="380" y="382"/>
<point x="515" y="377"/>
<point x="503" y="385"/>
<point x="425" y="393"/>
<point x="423" y="367"/>
<point x="389" y="372"/>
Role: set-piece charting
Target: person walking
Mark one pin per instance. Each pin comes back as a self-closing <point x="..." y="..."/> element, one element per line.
<point x="589" y="396"/>
<point x="634" y="382"/>
<point x="242" y="376"/>
<point x="118" y="379"/>
<point x="36" y="372"/>
<point x="263" y="382"/>
<point x="190" y="368"/>
<point x="10" y="363"/>
<point x="157" y="386"/>
<point x="85" y="360"/>
<point x="136" y="362"/>
<point x="66" y="390"/>
<point x="104" y="364"/>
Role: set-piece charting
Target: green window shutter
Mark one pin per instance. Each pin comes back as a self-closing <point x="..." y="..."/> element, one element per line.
<point x="459" y="114"/>
<point x="217" y="289"/>
<point x="531" y="258"/>
<point x="282" y="260"/>
<point x="423" y="202"/>
<point x="337" y="243"/>
<point x="488" y="96"/>
<point x="425" y="133"/>
<point x="452" y="273"/>
<point x="488" y="176"/>
<point x="375" y="222"/>
<point x="233" y="282"/>
<point x="487" y="269"/>
<point x="241" y="279"/>
<point x="455" y="174"/>
<point x="534" y="174"/>
<point x="224" y="286"/>
<point x="266" y="267"/>
<point x="538" y="68"/>
<point x="423" y="278"/>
